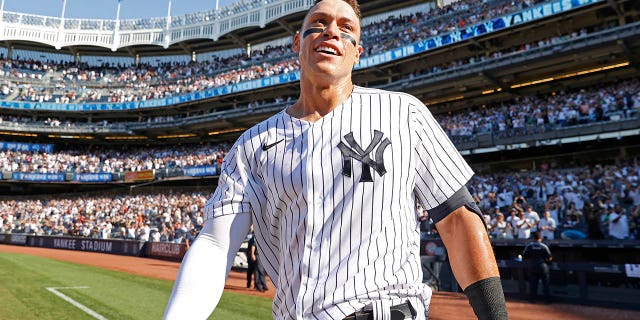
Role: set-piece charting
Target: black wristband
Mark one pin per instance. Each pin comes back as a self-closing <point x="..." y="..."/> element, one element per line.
<point x="487" y="299"/>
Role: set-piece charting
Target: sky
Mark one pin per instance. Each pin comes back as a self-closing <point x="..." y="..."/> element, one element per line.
<point x="106" y="9"/>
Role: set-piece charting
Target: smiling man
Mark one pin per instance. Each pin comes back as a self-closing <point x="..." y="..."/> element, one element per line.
<point x="330" y="184"/>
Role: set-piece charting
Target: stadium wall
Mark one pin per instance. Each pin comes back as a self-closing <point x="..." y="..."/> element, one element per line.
<point x="136" y="248"/>
<point x="600" y="273"/>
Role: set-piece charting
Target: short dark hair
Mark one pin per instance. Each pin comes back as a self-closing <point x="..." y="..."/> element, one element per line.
<point x="353" y="3"/>
<point x="536" y="235"/>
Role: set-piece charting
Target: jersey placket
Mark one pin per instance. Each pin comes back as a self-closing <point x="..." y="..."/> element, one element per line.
<point x="312" y="255"/>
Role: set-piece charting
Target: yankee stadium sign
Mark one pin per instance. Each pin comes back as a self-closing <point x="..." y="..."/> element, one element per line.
<point x="115" y="246"/>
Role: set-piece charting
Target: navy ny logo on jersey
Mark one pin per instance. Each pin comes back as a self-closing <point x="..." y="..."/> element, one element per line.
<point x="355" y="151"/>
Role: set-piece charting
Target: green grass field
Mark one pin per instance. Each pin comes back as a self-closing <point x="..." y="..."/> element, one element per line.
<point x="24" y="281"/>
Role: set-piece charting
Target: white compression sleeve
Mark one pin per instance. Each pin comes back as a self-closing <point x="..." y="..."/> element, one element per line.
<point x="202" y="275"/>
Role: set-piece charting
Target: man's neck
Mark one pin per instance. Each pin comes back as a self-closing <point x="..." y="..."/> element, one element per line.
<point x="318" y="100"/>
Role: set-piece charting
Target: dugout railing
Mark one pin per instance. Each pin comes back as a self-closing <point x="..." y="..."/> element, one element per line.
<point x="589" y="272"/>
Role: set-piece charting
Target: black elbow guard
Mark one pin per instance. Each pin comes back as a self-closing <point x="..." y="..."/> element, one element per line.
<point x="487" y="299"/>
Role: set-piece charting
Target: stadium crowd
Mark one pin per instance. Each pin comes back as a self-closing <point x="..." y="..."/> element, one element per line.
<point x="459" y="128"/>
<point x="166" y="217"/>
<point x="524" y="115"/>
<point x="112" y="160"/>
<point x="83" y="83"/>
<point x="585" y="202"/>
<point x="452" y="66"/>
<point x="620" y="100"/>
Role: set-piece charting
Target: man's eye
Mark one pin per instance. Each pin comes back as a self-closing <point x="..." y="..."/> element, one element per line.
<point x="347" y="27"/>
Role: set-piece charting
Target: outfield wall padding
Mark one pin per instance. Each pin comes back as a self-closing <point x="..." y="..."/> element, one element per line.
<point x="121" y="247"/>
<point x="166" y="250"/>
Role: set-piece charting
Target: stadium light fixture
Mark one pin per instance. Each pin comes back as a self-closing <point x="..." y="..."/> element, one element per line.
<point x="530" y="83"/>
<point x="570" y="75"/>
<point x="126" y="138"/>
<point x="492" y="91"/>
<point x="445" y="100"/>
<point x="18" y="134"/>
<point x="173" y="136"/>
<point x="55" y="136"/>
<point x="213" y="133"/>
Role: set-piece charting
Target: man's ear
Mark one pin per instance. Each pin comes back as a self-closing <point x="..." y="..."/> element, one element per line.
<point x="296" y="43"/>
<point x="358" y="53"/>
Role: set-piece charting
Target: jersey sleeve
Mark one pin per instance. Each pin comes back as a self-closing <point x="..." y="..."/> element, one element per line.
<point x="440" y="169"/>
<point x="232" y="194"/>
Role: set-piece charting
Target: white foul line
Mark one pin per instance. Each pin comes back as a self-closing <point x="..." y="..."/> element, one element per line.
<point x="75" y="303"/>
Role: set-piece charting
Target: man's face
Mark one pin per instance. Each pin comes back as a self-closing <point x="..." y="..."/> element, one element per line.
<point x="325" y="43"/>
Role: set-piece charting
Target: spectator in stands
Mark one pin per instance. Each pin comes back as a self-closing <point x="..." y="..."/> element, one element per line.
<point x="634" y="226"/>
<point x="143" y="231"/>
<point x="523" y="225"/>
<point x="505" y="198"/>
<point x="155" y="235"/>
<point x="634" y="193"/>
<point x="618" y="224"/>
<point x="572" y="229"/>
<point x="572" y="210"/>
<point x="190" y="238"/>
<point x="532" y="216"/>
<point x="498" y="227"/>
<point x="547" y="226"/>
<point x="554" y="206"/>
<point x="593" y="220"/>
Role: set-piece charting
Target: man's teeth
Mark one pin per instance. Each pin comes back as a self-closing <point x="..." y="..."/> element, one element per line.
<point x="326" y="50"/>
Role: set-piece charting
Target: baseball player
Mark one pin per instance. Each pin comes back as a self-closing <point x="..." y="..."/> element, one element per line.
<point x="330" y="185"/>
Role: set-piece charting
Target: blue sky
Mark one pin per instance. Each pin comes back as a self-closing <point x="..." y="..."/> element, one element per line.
<point x="106" y="9"/>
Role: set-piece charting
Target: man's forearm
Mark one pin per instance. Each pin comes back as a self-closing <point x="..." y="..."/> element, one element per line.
<point x="473" y="263"/>
<point x="202" y="274"/>
<point x="468" y="247"/>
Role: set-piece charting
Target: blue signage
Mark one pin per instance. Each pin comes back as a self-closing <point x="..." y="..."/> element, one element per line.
<point x="507" y="21"/>
<point x="32" y="147"/>
<point x="39" y="177"/>
<point x="201" y="171"/>
<point x="93" y="177"/>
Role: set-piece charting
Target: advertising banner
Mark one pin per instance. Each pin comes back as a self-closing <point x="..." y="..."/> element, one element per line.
<point x="39" y="177"/>
<point x="201" y="171"/>
<point x="173" y="251"/>
<point x="93" y="177"/>
<point x="122" y="247"/>
<point x="17" y="238"/>
<point x="33" y="147"/>
<point x="135" y="176"/>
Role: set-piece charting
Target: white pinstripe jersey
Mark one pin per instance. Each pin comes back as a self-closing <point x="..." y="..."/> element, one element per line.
<point x="331" y="242"/>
